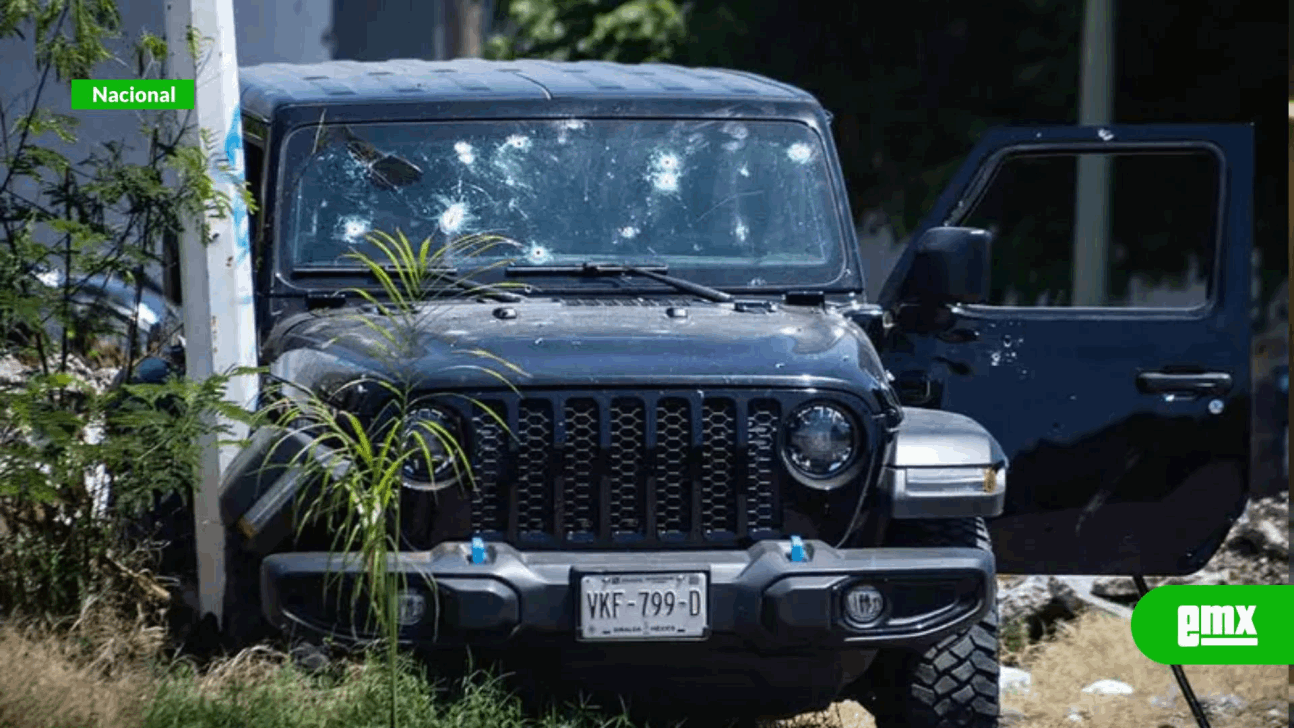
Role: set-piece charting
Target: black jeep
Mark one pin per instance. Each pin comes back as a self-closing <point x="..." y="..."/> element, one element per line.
<point x="730" y="473"/>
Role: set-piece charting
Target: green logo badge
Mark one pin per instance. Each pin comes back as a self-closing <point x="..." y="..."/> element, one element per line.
<point x="1216" y="625"/>
<point x="132" y="94"/>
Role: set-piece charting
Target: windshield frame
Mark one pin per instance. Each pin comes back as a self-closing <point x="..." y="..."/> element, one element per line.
<point x="288" y="280"/>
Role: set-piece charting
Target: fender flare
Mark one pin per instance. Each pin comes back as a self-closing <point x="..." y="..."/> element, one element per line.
<point x="943" y="465"/>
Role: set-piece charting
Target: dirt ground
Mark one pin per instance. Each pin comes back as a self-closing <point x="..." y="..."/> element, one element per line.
<point x="1097" y="647"/>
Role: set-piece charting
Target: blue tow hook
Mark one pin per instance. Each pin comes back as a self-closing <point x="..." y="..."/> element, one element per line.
<point x="478" y="550"/>
<point x="797" y="549"/>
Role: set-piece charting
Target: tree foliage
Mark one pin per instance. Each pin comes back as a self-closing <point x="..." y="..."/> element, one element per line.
<point x="642" y="30"/>
<point x="78" y="462"/>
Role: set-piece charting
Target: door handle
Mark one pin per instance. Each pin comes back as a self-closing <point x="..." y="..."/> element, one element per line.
<point x="1203" y="384"/>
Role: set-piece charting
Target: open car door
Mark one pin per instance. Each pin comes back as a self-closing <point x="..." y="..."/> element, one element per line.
<point x="1125" y="418"/>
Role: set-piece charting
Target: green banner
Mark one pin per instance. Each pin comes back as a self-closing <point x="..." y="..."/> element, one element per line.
<point x="132" y="94"/>
<point x="1216" y="625"/>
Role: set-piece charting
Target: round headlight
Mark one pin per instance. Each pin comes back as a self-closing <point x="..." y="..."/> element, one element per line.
<point x="821" y="441"/>
<point x="433" y="437"/>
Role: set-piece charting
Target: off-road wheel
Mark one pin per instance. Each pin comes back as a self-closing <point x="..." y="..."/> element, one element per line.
<point x="953" y="683"/>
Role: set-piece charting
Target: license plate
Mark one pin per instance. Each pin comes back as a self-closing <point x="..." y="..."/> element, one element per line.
<point x="667" y="606"/>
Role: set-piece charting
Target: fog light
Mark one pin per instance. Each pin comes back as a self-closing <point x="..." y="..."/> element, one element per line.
<point x="410" y="608"/>
<point x="863" y="605"/>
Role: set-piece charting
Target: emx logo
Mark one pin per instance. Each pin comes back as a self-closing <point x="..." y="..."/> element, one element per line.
<point x="1225" y="626"/>
<point x="1216" y="625"/>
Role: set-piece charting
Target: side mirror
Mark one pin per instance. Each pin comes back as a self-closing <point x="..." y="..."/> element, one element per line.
<point x="951" y="266"/>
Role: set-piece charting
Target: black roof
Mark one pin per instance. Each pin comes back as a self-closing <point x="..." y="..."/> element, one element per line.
<point x="268" y="86"/>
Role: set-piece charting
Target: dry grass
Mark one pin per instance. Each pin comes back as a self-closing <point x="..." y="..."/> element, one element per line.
<point x="53" y="682"/>
<point x="91" y="675"/>
<point x="1099" y="646"/>
<point x="97" y="674"/>
<point x="1095" y="647"/>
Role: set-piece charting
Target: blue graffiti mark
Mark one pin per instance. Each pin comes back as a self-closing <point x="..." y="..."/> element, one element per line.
<point x="234" y="143"/>
<point x="233" y="174"/>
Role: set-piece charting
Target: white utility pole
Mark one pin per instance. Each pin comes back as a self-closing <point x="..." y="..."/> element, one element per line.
<point x="216" y="279"/>
<point x="1092" y="213"/>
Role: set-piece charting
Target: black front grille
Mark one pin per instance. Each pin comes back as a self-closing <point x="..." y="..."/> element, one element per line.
<point x="654" y="469"/>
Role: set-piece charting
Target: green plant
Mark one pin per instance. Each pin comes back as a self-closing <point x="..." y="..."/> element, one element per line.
<point x="354" y="698"/>
<point x="78" y="463"/>
<point x="1015" y="641"/>
<point x="360" y="463"/>
<point x="65" y="539"/>
<point x="637" y="30"/>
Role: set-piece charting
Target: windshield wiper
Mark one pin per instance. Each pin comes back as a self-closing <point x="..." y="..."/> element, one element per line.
<point x="654" y="272"/>
<point x="447" y="275"/>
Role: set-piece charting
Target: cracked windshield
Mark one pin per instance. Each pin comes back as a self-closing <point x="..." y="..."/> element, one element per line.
<point x="725" y="203"/>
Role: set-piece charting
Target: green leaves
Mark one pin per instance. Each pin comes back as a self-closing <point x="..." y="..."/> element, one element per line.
<point x="66" y="222"/>
<point x="64" y="446"/>
<point x="41" y="121"/>
<point x="70" y="36"/>
<point x="150" y="50"/>
<point x="638" y="30"/>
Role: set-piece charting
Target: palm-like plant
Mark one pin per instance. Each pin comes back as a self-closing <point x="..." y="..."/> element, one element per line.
<point x="360" y="465"/>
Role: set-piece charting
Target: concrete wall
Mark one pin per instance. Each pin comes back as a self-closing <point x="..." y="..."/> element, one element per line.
<point x="286" y="31"/>
<point x="379" y="30"/>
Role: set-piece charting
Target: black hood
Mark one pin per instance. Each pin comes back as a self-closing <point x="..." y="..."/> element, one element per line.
<point x="565" y="344"/>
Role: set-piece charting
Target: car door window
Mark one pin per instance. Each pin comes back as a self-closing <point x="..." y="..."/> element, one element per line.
<point x="1160" y="241"/>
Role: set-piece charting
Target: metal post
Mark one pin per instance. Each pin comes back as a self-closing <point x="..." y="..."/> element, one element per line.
<point x="1092" y="214"/>
<point x="219" y="325"/>
<point x="469" y="31"/>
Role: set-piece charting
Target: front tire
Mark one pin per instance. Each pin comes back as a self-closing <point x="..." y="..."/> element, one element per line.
<point x="953" y="683"/>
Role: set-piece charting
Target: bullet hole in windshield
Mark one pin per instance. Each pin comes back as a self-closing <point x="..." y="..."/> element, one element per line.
<point x="464" y="152"/>
<point x="354" y="228"/>
<point x="799" y="152"/>
<point x="452" y="219"/>
<point x="665" y="171"/>
<point x="629" y="232"/>
<point x="568" y="125"/>
<point x="736" y="130"/>
<point x="538" y="254"/>
<point x="666" y="182"/>
<point x="518" y="141"/>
